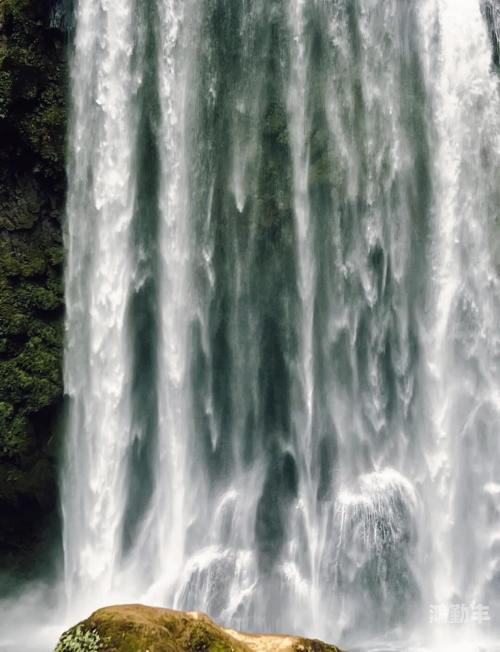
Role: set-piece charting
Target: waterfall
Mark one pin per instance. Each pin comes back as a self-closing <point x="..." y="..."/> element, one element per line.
<point x="99" y="280"/>
<point x="283" y="299"/>
<point x="463" y="357"/>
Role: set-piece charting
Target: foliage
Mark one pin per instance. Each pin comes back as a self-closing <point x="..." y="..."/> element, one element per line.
<point x="32" y="193"/>
<point x="80" y="640"/>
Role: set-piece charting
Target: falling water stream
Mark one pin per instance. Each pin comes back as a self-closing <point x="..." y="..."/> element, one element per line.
<point x="283" y="314"/>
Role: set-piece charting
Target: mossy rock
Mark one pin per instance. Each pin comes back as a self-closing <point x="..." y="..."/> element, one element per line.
<point x="135" y="628"/>
<point x="33" y="99"/>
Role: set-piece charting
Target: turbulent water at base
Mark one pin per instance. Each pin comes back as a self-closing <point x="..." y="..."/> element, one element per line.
<point x="283" y="312"/>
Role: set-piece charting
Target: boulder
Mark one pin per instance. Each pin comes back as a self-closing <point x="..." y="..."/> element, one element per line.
<point x="136" y="628"/>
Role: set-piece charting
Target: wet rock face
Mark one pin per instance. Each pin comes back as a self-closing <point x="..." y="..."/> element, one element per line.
<point x="135" y="628"/>
<point x="32" y="192"/>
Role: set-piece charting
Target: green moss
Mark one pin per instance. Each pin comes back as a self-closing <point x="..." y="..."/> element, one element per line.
<point x="56" y="255"/>
<point x="32" y="193"/>
<point x="35" y="267"/>
<point x="15" y="442"/>
<point x="33" y="85"/>
<point x="204" y="639"/>
<point x="10" y="266"/>
<point x="16" y="325"/>
<point x="36" y="297"/>
<point x="45" y="127"/>
<point x="25" y="220"/>
<point x="30" y="383"/>
<point x="37" y="360"/>
<point x="135" y="628"/>
<point x="35" y="258"/>
<point x="6" y="413"/>
<point x="5" y="92"/>
<point x="50" y="334"/>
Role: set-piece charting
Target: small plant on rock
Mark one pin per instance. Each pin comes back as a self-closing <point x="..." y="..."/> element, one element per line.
<point x="80" y="640"/>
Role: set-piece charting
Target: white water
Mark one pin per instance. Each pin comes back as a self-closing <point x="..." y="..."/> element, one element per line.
<point x="324" y="453"/>
<point x="463" y="357"/>
<point x="162" y="536"/>
<point x="99" y="278"/>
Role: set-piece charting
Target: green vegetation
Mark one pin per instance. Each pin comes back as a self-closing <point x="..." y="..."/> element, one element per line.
<point x="32" y="193"/>
<point x="80" y="640"/>
<point x="205" y="638"/>
<point x="135" y="628"/>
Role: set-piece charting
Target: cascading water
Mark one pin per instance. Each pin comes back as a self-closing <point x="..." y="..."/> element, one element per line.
<point x="283" y="357"/>
<point x="99" y="280"/>
<point x="463" y="342"/>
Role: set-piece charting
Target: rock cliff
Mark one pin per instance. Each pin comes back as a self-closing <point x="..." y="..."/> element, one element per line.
<point x="32" y="192"/>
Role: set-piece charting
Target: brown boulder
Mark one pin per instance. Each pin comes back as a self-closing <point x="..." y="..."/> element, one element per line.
<point x="135" y="628"/>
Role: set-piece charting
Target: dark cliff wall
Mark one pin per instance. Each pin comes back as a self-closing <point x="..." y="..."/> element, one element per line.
<point x="32" y="192"/>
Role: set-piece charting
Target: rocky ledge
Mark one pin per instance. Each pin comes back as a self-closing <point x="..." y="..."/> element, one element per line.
<point x="135" y="628"/>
